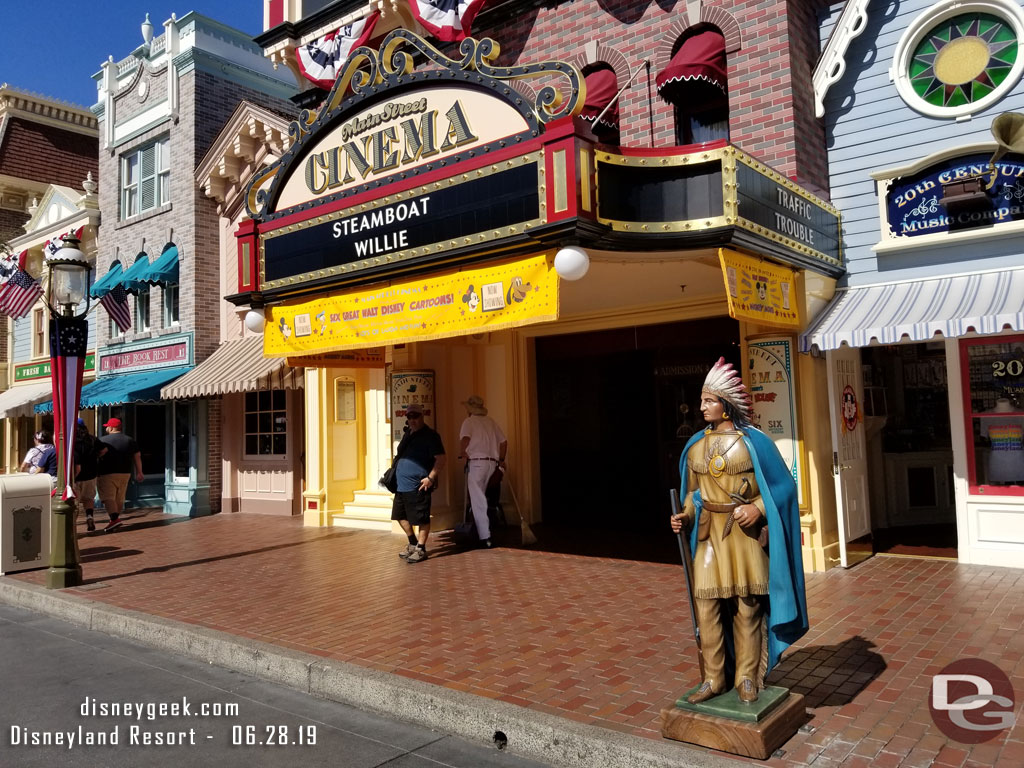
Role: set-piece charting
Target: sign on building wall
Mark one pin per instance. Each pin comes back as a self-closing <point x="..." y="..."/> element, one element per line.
<point x="401" y="133"/>
<point x="913" y="203"/>
<point x="770" y="368"/>
<point x="165" y="353"/>
<point x="768" y="201"/>
<point x="759" y="290"/>
<point x="503" y="295"/>
<point x="405" y="225"/>
<point x="411" y="387"/>
<point x="42" y="370"/>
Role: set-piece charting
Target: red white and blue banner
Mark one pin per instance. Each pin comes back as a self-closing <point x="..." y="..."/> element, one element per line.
<point x="69" y="337"/>
<point x="55" y="244"/>
<point x="321" y="60"/>
<point x="115" y="301"/>
<point x="448" y="20"/>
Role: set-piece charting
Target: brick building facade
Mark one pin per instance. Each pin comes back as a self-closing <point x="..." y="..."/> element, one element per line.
<point x="159" y="110"/>
<point x="701" y="90"/>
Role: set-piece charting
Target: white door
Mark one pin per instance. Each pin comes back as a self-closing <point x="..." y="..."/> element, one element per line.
<point x="849" y="458"/>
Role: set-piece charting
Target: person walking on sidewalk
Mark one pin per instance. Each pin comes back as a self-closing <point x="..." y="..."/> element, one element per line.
<point x="116" y="462"/>
<point x="483" y="446"/>
<point x="739" y="500"/>
<point x="87" y="450"/>
<point x="421" y="460"/>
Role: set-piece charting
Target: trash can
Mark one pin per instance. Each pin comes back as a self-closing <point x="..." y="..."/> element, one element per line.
<point x="24" y="522"/>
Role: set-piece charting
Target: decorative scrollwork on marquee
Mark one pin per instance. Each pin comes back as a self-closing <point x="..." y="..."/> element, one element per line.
<point x="369" y="73"/>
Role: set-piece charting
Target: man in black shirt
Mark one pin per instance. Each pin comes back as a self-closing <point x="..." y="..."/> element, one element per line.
<point x="419" y="461"/>
<point x="87" y="449"/>
<point x="115" y="467"/>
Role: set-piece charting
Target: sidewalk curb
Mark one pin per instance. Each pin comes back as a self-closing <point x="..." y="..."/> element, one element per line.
<point x="535" y="735"/>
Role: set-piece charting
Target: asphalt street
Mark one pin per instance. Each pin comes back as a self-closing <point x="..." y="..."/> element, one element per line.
<point x="76" y="697"/>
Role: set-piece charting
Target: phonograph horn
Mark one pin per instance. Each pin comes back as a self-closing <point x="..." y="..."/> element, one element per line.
<point x="1008" y="131"/>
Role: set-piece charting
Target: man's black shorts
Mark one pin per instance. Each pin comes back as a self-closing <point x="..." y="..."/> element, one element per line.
<point x="413" y="506"/>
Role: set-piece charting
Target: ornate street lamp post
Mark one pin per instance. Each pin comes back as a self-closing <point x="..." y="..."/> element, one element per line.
<point x="67" y="296"/>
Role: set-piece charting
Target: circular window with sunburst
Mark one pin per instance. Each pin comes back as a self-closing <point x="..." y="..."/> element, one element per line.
<point x="959" y="58"/>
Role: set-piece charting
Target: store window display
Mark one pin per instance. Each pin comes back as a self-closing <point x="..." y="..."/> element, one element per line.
<point x="1004" y="429"/>
<point x="993" y="393"/>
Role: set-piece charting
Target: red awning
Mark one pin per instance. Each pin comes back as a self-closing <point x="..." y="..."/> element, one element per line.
<point x="700" y="57"/>
<point x="602" y="86"/>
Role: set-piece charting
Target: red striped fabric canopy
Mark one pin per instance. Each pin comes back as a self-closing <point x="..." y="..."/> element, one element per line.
<point x="602" y="87"/>
<point x="701" y="57"/>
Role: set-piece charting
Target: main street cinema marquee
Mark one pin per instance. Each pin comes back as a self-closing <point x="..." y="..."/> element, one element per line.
<point x="428" y="203"/>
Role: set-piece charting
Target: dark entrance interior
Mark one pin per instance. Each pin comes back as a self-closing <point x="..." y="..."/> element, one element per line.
<point x="615" y="409"/>
<point x="906" y="420"/>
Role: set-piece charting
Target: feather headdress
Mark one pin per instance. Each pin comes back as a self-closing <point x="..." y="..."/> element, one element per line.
<point x="723" y="381"/>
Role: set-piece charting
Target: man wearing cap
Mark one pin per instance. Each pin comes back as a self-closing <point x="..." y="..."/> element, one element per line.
<point x="419" y="461"/>
<point x="120" y="457"/>
<point x="739" y="499"/>
<point x="483" y="446"/>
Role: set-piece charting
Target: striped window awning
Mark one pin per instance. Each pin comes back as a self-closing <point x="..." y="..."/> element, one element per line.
<point x="19" y="400"/>
<point x="919" y="310"/>
<point x="236" y="366"/>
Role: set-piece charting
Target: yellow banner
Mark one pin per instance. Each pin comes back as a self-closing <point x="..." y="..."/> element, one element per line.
<point x="759" y="290"/>
<point x="456" y="303"/>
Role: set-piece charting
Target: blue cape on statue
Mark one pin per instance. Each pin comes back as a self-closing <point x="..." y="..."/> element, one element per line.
<point x="786" y="606"/>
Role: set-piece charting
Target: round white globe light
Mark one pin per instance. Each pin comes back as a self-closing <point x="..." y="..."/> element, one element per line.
<point x="571" y="262"/>
<point x="254" y="320"/>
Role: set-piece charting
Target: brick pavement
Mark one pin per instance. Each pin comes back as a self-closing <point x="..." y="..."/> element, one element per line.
<point x="596" y="640"/>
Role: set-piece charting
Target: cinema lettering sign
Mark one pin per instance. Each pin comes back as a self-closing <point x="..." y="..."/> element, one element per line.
<point x="402" y="167"/>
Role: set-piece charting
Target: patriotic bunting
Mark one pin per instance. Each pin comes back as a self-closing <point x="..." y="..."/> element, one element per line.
<point x="55" y="244"/>
<point x="321" y="60"/>
<point x="19" y="293"/>
<point x="69" y="337"/>
<point x="115" y="301"/>
<point x="448" y="20"/>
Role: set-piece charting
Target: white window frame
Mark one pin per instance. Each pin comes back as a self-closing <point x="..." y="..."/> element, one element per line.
<point x="172" y="301"/>
<point x="1006" y="10"/>
<point x="142" y="306"/>
<point x="135" y="182"/>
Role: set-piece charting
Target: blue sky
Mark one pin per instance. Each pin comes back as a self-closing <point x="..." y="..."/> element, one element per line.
<point x="53" y="47"/>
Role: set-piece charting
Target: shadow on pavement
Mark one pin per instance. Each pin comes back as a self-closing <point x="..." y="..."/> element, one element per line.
<point x="829" y="675"/>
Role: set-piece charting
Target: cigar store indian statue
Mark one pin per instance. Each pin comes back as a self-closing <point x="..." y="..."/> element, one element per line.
<point x="740" y="508"/>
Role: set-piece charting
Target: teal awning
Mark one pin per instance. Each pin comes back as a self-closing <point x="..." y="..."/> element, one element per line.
<point x="106" y="284"/>
<point x="132" y="280"/>
<point x="164" y="271"/>
<point x="140" y="387"/>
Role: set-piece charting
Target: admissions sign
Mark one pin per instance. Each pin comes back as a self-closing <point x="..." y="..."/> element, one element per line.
<point x="453" y="303"/>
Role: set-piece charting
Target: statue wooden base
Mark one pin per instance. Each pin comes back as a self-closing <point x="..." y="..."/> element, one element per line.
<point x="727" y="724"/>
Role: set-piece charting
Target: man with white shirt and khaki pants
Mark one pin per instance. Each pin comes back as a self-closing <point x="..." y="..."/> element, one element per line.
<point x="483" y="446"/>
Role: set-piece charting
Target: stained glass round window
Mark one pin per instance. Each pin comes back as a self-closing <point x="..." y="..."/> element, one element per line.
<point x="963" y="59"/>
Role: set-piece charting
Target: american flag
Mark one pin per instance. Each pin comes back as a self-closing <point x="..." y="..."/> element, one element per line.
<point x="19" y="293"/>
<point x="116" y="304"/>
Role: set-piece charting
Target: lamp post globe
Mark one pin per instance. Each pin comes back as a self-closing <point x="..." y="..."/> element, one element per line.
<point x="67" y="296"/>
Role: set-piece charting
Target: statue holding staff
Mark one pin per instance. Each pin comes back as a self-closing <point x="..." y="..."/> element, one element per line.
<point x="740" y="507"/>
